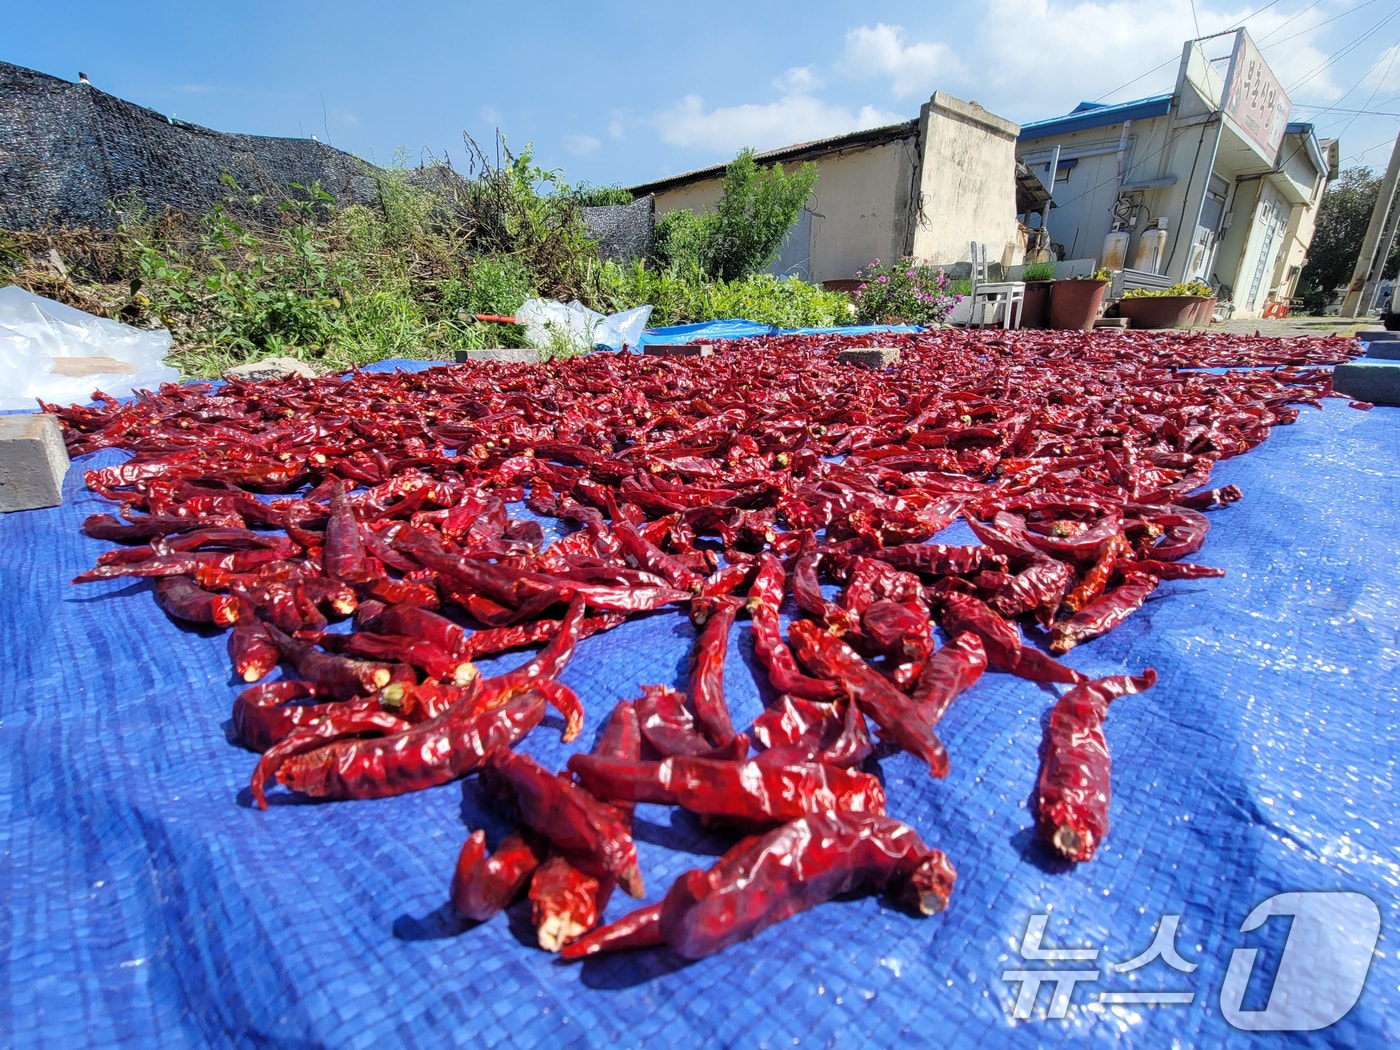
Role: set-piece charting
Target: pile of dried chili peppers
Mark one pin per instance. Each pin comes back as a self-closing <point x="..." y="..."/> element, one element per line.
<point x="722" y="486"/>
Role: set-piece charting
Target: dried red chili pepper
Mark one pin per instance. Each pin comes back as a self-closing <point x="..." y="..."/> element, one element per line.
<point x="338" y="677"/>
<point x="182" y="599"/>
<point x="1073" y="793"/>
<point x="566" y="814"/>
<point x="1096" y="578"/>
<point x="667" y="722"/>
<point x="566" y="902"/>
<point x="483" y="885"/>
<point x="952" y="670"/>
<point x="716" y="615"/>
<point x="636" y="929"/>
<point x="798" y="731"/>
<point x="1002" y="641"/>
<point x="796" y="867"/>
<point x="1103" y="614"/>
<point x="752" y="792"/>
<point x="253" y="653"/>
<point x="434" y="752"/>
<point x="765" y="598"/>
<point x="895" y="714"/>
<point x="419" y="622"/>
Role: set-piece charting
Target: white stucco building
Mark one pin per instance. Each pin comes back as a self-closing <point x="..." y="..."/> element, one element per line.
<point x="926" y="188"/>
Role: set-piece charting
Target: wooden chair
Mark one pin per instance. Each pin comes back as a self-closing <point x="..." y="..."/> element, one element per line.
<point x="993" y="300"/>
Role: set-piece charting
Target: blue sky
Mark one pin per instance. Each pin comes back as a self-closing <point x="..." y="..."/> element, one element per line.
<point x="627" y="92"/>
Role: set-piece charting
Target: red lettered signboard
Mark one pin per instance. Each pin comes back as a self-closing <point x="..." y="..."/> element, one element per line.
<point x="1254" y="99"/>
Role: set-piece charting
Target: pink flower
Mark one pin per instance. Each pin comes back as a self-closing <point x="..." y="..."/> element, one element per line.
<point x="882" y="278"/>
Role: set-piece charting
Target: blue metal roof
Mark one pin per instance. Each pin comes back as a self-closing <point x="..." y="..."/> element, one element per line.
<point x="1092" y="115"/>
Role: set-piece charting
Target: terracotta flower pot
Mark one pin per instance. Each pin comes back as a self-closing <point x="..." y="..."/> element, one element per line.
<point x="1035" y="309"/>
<point x="1075" y="303"/>
<point x="1162" y="311"/>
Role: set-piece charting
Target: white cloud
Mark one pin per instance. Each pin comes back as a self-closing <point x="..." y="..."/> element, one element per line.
<point x="616" y="130"/>
<point x="1385" y="74"/>
<point x="795" y="117"/>
<point x="197" y="89"/>
<point x="344" y="116"/>
<point x="913" y="69"/>
<point x="1026" y="60"/>
<point x="1107" y="50"/>
<point x="490" y="115"/>
<point x="798" y="79"/>
<point x="581" y="145"/>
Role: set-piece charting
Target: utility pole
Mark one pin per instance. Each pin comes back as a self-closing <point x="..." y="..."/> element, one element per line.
<point x="1387" y="242"/>
<point x="1361" y="277"/>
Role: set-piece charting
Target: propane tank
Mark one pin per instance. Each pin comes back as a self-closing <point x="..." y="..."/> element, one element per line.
<point x="1151" y="246"/>
<point x="1115" y="250"/>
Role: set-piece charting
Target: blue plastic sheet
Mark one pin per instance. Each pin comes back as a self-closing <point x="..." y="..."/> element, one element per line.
<point x="146" y="903"/>
<point x="737" y="328"/>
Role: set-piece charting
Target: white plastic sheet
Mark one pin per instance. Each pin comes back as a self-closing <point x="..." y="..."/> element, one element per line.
<point x="38" y="334"/>
<point x="553" y="325"/>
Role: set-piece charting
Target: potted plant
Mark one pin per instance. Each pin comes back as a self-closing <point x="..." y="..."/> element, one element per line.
<point x="1075" y="303"/>
<point x="1180" y="306"/>
<point x="1035" y="308"/>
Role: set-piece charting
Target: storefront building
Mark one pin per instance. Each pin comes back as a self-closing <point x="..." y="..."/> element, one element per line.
<point x="1209" y="182"/>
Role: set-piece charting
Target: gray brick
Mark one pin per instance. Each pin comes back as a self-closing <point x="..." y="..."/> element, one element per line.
<point x="1375" y="381"/>
<point x="870" y="356"/>
<point x="679" y="350"/>
<point x="1387" y="350"/>
<point x="514" y="355"/>
<point x="32" y="461"/>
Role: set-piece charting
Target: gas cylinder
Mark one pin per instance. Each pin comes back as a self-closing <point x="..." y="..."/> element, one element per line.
<point x="1115" y="250"/>
<point x="1150" y="248"/>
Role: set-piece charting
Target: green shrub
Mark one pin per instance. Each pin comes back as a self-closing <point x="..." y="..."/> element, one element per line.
<point x="1040" y="271"/>
<point x="683" y="298"/>
<point x="757" y="207"/>
<point x="679" y="241"/>
<point x="744" y="234"/>
<point x="587" y="196"/>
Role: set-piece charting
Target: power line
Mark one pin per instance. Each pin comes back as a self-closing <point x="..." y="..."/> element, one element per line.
<point x="1345" y="112"/>
<point x="1345" y="50"/>
<point x="1394" y="49"/>
<point x="1288" y="21"/>
<point x="1194" y="19"/>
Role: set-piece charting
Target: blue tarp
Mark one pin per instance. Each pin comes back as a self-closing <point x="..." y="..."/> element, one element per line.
<point x="146" y="903"/>
<point x="737" y="328"/>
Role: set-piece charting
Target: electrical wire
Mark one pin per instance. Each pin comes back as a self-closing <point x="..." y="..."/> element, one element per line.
<point x="1345" y="50"/>
<point x="1344" y="112"/>
<point x="1394" y="50"/>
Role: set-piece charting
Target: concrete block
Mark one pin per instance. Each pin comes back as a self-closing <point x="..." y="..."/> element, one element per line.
<point x="1375" y="381"/>
<point x="679" y="350"/>
<point x="870" y="356"/>
<point x="1389" y="350"/>
<point x="270" y="368"/>
<point x="1378" y="336"/>
<point x="509" y="355"/>
<point x="32" y="461"/>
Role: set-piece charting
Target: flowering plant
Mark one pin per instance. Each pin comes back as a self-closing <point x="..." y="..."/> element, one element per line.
<point x="904" y="290"/>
